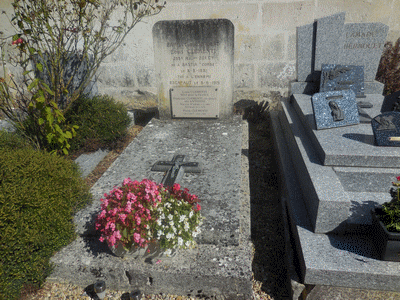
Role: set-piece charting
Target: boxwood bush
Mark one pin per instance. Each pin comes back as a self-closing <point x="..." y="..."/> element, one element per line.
<point x="101" y="122"/>
<point x="39" y="193"/>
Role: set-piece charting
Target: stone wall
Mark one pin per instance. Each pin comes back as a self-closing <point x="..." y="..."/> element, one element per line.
<point x="265" y="43"/>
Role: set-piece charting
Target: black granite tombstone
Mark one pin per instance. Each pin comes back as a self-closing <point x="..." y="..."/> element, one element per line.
<point x="386" y="128"/>
<point x="335" y="109"/>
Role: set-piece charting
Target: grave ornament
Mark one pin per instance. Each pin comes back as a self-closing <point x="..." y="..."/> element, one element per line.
<point x="175" y="169"/>
<point x="335" y="109"/>
<point x="342" y="77"/>
<point x="386" y="129"/>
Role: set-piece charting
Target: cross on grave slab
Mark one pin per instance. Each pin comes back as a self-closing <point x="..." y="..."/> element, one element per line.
<point x="175" y="169"/>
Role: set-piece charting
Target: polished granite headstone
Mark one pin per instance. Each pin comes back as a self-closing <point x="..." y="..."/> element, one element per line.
<point x="340" y="77"/>
<point x="386" y="128"/>
<point x="335" y="109"/>
<point x="391" y="102"/>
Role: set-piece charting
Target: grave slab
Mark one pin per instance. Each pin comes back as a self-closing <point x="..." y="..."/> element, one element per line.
<point x="195" y="53"/>
<point x="346" y="260"/>
<point x="347" y="146"/>
<point x="221" y="263"/>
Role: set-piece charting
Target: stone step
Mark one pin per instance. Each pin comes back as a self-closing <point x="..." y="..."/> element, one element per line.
<point x="339" y="260"/>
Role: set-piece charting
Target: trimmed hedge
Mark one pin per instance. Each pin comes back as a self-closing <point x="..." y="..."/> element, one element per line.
<point x="39" y="193"/>
<point x="101" y="121"/>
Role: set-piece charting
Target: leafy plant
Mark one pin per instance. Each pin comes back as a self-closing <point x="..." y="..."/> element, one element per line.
<point x="138" y="213"/>
<point x="51" y="34"/>
<point x="389" y="213"/>
<point x="39" y="193"/>
<point x="389" y="68"/>
<point x="101" y="121"/>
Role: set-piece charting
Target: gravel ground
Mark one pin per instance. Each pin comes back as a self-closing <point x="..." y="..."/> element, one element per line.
<point x="271" y="280"/>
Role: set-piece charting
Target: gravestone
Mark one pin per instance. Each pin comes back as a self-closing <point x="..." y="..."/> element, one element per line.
<point x="334" y="177"/>
<point x="363" y="46"/>
<point x="194" y="68"/>
<point x="335" y="109"/>
<point x="331" y="41"/>
<point x="339" y="77"/>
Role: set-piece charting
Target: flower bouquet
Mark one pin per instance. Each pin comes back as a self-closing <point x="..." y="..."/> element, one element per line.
<point x="146" y="218"/>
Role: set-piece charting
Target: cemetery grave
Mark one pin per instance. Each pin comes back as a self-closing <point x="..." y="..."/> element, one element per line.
<point x="335" y="169"/>
<point x="202" y="145"/>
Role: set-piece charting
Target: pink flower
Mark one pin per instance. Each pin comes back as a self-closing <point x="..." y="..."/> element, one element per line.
<point x="136" y="237"/>
<point x="398" y="178"/>
<point x="17" y="41"/>
<point x="122" y="217"/>
<point x="198" y="207"/>
<point x="176" y="187"/>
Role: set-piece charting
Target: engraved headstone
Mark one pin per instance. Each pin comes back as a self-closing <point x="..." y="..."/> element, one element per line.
<point x="340" y="77"/>
<point x="335" y="109"/>
<point x="363" y="46"/>
<point x="386" y="128"/>
<point x="190" y="54"/>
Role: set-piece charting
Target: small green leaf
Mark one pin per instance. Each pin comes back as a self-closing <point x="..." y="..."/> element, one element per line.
<point x="40" y="121"/>
<point x="65" y="151"/>
<point x="39" y="66"/>
<point x="68" y="135"/>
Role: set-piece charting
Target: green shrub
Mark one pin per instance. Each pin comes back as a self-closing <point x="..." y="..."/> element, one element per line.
<point x="39" y="193"/>
<point x="101" y="122"/>
<point x="12" y="140"/>
<point x="389" y="68"/>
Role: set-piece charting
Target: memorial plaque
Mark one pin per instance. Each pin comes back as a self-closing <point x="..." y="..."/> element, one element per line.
<point x="386" y="128"/>
<point x="194" y="53"/>
<point x="363" y="46"/>
<point x="194" y="102"/>
<point x="335" y="109"/>
<point x="340" y="77"/>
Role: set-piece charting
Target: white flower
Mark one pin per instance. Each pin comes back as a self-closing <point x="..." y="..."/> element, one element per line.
<point x="186" y="227"/>
<point x="170" y="236"/>
<point x="162" y="216"/>
<point x="182" y="218"/>
<point x="180" y="241"/>
<point x="191" y="214"/>
<point x="158" y="222"/>
<point x="171" y="223"/>
<point x="168" y="252"/>
<point x="170" y="217"/>
<point x="159" y="233"/>
<point x="188" y="244"/>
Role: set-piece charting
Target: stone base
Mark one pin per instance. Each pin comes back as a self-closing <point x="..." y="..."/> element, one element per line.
<point x="348" y="259"/>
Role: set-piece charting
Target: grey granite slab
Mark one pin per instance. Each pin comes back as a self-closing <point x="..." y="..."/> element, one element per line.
<point x="310" y="88"/>
<point x="347" y="146"/>
<point x="347" y="260"/>
<point x="327" y="203"/>
<point x="339" y="77"/>
<point x="363" y="46"/>
<point x="215" y="268"/>
<point x="305" y="52"/>
<point x="335" y="109"/>
<point x="215" y="145"/>
<point x="88" y="162"/>
<point x="329" y="40"/>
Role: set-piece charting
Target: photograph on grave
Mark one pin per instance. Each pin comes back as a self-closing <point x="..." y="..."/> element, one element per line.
<point x="196" y="55"/>
<point x="194" y="102"/>
<point x="335" y="109"/>
<point x="338" y="77"/>
<point x="386" y="128"/>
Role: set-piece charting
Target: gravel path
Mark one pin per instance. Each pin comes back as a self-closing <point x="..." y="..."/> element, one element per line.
<point x="271" y="280"/>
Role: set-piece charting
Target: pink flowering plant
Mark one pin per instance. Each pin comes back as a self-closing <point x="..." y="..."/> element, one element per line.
<point x="138" y="213"/>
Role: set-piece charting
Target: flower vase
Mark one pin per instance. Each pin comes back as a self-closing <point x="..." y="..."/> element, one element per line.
<point x="151" y="251"/>
<point x="387" y="243"/>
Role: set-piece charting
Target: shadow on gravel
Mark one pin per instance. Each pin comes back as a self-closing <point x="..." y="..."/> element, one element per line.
<point x="267" y="229"/>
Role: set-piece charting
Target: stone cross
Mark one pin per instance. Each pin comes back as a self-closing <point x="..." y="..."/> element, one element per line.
<point x="175" y="169"/>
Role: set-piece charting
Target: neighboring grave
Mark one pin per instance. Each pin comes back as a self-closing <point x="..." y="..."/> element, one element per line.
<point x="194" y="68"/>
<point x="331" y="41"/>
